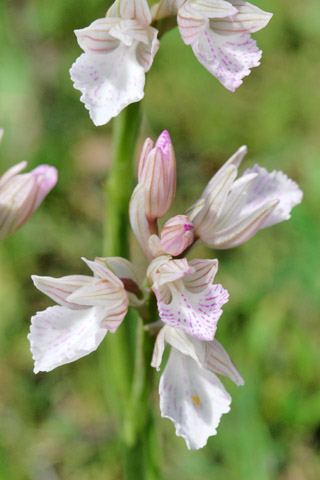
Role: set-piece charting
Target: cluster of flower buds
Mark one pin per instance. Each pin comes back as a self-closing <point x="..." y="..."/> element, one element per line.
<point x="22" y="193"/>
<point x="189" y="303"/>
<point x="119" y="49"/>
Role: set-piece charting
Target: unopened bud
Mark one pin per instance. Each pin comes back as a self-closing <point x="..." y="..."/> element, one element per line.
<point x="177" y="234"/>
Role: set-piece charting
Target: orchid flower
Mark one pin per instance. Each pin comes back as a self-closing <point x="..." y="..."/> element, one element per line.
<point x="119" y="50"/>
<point x="88" y="307"/>
<point x="191" y="395"/>
<point x="219" y="34"/>
<point x="22" y="193"/>
<point x="231" y="211"/>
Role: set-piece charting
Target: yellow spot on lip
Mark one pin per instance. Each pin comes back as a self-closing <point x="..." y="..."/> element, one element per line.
<point x="196" y="400"/>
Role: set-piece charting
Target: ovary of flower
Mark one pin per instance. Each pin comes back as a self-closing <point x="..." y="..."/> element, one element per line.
<point x="22" y="193"/>
<point x="87" y="308"/>
<point x="119" y="50"/>
<point x="191" y="395"/>
<point x="219" y="34"/>
<point x="231" y="211"/>
<point x="186" y="297"/>
<point x="154" y="194"/>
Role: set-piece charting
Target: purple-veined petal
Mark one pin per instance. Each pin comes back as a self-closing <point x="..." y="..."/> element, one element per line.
<point x="59" y="335"/>
<point x="60" y="288"/>
<point x="176" y="235"/>
<point x="241" y="230"/>
<point x="215" y="198"/>
<point x="96" y="37"/>
<point x="193" y="16"/>
<point x="219" y="362"/>
<point x="172" y="270"/>
<point x="108" y="82"/>
<point x="229" y="58"/>
<point x="195" y="314"/>
<point x="158" y="349"/>
<point x="268" y="187"/>
<point x="193" y="398"/>
<point x="46" y="177"/>
<point x="248" y="19"/>
<point x="146" y="149"/>
<point x="205" y="271"/>
<point x="131" y="9"/>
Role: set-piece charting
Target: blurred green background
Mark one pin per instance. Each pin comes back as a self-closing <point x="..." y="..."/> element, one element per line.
<point x="57" y="425"/>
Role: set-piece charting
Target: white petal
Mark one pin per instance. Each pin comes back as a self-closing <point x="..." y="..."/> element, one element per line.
<point x="249" y="19"/>
<point x="193" y="398"/>
<point x="229" y="59"/>
<point x="102" y="272"/>
<point x="12" y="172"/>
<point x="138" y="219"/>
<point x="195" y="314"/>
<point x="131" y="9"/>
<point x="241" y="230"/>
<point x="108" y="82"/>
<point x="219" y="362"/>
<point x="158" y="349"/>
<point x="60" y="335"/>
<point x="205" y="271"/>
<point x="60" y="288"/>
<point x="267" y="187"/>
<point x="193" y="16"/>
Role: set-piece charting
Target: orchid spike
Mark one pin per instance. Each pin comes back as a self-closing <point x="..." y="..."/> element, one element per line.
<point x="22" y="193"/>
<point x="119" y="50"/>
<point x="218" y="32"/>
<point x="88" y="307"/>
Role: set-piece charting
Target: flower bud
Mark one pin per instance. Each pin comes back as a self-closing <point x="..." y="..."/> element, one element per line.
<point x="21" y="194"/>
<point x="157" y="174"/>
<point x="177" y="234"/>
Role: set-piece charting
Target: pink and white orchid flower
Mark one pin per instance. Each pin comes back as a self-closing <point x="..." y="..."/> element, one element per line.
<point x="22" y="193"/>
<point x="119" y="50"/>
<point x="186" y="297"/>
<point x="219" y="34"/>
<point x="231" y="211"/>
<point x="191" y="395"/>
<point x="88" y="308"/>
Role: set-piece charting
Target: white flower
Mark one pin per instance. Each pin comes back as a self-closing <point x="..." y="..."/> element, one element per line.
<point x="119" y="50"/>
<point x="219" y="34"/>
<point x="191" y="395"/>
<point x="88" y="308"/>
<point x="231" y="211"/>
<point x="186" y="297"/>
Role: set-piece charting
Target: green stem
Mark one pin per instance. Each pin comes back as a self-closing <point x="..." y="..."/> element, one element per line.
<point x="120" y="182"/>
<point x="126" y="356"/>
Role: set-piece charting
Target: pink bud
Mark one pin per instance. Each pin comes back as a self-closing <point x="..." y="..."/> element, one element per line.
<point x="157" y="174"/>
<point x="21" y="194"/>
<point x="177" y="234"/>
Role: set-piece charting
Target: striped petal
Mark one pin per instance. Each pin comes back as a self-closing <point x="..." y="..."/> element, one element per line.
<point x="60" y="335"/>
<point x="193" y="16"/>
<point x="205" y="272"/>
<point x="131" y="9"/>
<point x="248" y="19"/>
<point x="219" y="362"/>
<point x="193" y="398"/>
<point x="60" y="288"/>
<point x="165" y="8"/>
<point x="138" y="219"/>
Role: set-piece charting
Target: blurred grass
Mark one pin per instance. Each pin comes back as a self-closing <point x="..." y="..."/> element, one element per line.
<point x="57" y="425"/>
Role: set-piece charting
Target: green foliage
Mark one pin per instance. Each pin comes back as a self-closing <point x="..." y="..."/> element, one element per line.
<point x="58" y="425"/>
